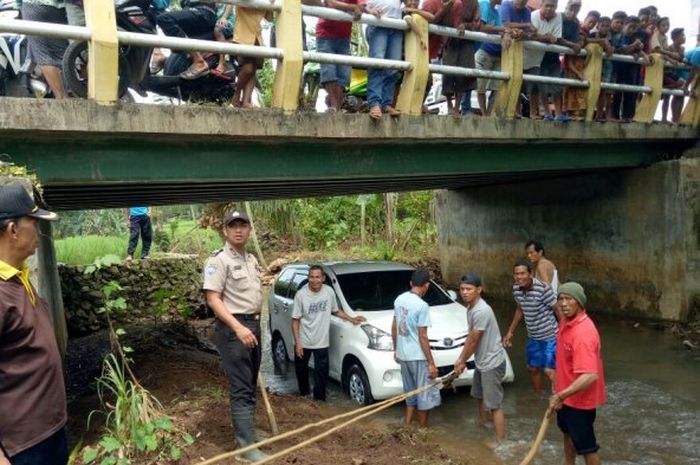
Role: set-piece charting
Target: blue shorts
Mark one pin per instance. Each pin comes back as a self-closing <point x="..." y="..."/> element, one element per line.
<point x="334" y="73"/>
<point x="541" y="354"/>
<point x="414" y="374"/>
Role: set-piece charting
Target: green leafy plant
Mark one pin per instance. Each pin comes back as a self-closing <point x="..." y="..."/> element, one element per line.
<point x="136" y="429"/>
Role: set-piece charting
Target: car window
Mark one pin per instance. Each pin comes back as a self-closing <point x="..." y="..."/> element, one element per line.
<point x="283" y="282"/>
<point x="377" y="290"/>
<point x="300" y="278"/>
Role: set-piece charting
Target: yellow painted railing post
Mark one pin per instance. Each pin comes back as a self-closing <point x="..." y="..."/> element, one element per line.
<point x="654" y="78"/>
<point x="508" y="95"/>
<point x="593" y="73"/>
<point x="412" y="93"/>
<point x="691" y="112"/>
<point x="103" y="51"/>
<point x="285" y="93"/>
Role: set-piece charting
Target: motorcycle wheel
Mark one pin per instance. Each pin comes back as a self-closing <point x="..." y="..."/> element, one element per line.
<point x="75" y="70"/>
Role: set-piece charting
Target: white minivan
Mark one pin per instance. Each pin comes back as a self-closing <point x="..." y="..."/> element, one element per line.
<point x="362" y="357"/>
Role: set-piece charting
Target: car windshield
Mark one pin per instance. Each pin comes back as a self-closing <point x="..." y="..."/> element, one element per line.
<point x="377" y="290"/>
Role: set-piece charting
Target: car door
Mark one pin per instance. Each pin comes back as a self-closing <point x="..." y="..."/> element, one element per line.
<point x="301" y="277"/>
<point x="280" y="310"/>
<point x="336" y="340"/>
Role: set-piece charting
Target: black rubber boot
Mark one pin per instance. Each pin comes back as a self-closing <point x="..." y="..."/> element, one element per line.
<point x="245" y="434"/>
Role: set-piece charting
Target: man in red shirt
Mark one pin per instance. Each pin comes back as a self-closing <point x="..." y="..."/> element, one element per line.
<point x="579" y="383"/>
<point x="334" y="37"/>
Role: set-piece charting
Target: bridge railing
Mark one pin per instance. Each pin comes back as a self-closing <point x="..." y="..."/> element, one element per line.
<point x="104" y="39"/>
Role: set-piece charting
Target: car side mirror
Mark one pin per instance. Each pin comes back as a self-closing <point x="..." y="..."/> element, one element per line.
<point x="452" y="294"/>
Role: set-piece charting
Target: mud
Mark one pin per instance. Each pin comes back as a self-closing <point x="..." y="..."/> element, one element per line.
<point x="193" y="390"/>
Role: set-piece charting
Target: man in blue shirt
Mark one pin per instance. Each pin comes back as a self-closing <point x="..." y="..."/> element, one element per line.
<point x="139" y="221"/>
<point x="488" y="57"/>
<point x="409" y="331"/>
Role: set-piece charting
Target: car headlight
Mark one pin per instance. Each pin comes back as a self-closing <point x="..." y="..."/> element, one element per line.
<point x="378" y="339"/>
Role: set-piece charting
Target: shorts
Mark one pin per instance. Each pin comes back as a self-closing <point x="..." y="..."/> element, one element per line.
<point x="552" y="69"/>
<point x="578" y="424"/>
<point x="330" y="72"/>
<point x="414" y="374"/>
<point x="45" y="51"/>
<point x="458" y="52"/>
<point x="528" y="86"/>
<point x="257" y="61"/>
<point x="487" y="62"/>
<point x="607" y="71"/>
<point x="487" y="387"/>
<point x="541" y="354"/>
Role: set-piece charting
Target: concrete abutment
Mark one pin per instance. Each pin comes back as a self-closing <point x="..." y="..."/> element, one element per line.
<point x="631" y="237"/>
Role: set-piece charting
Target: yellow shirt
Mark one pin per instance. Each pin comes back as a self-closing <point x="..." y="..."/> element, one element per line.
<point x="248" y="30"/>
<point x="8" y="272"/>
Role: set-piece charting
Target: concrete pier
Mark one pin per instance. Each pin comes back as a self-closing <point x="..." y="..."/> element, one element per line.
<point x="631" y="237"/>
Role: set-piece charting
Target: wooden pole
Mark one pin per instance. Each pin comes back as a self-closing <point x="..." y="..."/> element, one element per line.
<point x="268" y="407"/>
<point x="538" y="439"/>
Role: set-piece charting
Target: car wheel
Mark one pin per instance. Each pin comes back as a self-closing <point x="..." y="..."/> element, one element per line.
<point x="358" y="385"/>
<point x="279" y="352"/>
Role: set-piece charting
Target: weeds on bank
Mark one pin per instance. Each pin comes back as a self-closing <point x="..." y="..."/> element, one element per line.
<point x="136" y="429"/>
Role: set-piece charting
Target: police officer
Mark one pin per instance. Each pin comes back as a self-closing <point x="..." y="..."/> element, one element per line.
<point x="234" y="293"/>
<point x="32" y="390"/>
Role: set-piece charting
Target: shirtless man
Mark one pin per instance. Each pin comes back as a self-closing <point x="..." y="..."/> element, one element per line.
<point x="544" y="269"/>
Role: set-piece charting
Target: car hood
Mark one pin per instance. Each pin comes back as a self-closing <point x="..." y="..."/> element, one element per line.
<point x="445" y="320"/>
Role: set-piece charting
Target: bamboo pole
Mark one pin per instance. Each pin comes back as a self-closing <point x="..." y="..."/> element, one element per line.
<point x="268" y="407"/>
<point x="538" y="439"/>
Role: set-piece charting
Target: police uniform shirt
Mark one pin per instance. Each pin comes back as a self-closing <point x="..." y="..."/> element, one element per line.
<point x="237" y="277"/>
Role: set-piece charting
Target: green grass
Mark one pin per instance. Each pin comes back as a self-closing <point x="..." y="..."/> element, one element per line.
<point x="84" y="250"/>
<point x="187" y="240"/>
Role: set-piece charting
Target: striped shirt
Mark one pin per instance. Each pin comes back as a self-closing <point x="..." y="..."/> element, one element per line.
<point x="537" y="304"/>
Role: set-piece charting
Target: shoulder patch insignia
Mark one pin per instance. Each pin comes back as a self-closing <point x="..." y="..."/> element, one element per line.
<point x="210" y="270"/>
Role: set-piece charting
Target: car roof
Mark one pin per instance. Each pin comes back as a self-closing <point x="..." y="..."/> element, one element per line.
<point x="357" y="266"/>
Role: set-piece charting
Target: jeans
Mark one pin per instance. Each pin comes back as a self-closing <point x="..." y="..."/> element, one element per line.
<point x="188" y="22"/>
<point x="240" y="363"/>
<point x="321" y="368"/>
<point x="381" y="83"/>
<point x="51" y="451"/>
<point x="140" y="224"/>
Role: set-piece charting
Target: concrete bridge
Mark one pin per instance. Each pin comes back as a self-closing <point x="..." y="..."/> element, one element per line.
<point x="616" y="205"/>
<point x="94" y="156"/>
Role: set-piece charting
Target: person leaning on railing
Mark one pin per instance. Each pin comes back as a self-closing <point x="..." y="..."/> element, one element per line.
<point x="628" y="43"/>
<point x="488" y="56"/>
<point x="659" y="44"/>
<point x="387" y="44"/>
<point x="248" y="31"/>
<point x="334" y="37"/>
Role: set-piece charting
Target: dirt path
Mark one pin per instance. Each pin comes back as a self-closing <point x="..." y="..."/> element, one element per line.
<point x="193" y="390"/>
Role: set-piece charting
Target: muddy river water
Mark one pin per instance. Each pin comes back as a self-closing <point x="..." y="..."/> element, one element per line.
<point x="652" y="416"/>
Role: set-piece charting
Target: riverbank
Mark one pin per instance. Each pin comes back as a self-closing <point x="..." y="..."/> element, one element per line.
<point x="194" y="392"/>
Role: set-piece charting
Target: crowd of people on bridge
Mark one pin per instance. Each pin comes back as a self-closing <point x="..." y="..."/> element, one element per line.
<point x="640" y="36"/>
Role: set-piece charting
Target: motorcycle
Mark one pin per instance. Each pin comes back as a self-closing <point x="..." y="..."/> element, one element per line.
<point x="18" y="77"/>
<point x="134" y="63"/>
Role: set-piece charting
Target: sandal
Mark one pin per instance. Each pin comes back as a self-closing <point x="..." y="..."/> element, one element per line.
<point x="375" y="113"/>
<point x="220" y="74"/>
<point x="391" y="111"/>
<point x="192" y="73"/>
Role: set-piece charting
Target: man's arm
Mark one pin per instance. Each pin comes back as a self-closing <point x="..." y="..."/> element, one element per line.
<point x="355" y="10"/>
<point x="356" y="320"/>
<point x="507" y="339"/>
<point x="298" y="347"/>
<point x="546" y="269"/>
<point x="414" y="28"/>
<point x="216" y="303"/>
<point x="468" y="350"/>
<point x="425" y="346"/>
<point x="584" y="381"/>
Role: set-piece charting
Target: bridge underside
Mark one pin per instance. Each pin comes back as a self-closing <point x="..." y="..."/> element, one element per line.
<point x="89" y="156"/>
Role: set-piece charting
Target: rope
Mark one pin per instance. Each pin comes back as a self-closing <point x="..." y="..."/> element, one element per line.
<point x="364" y="411"/>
